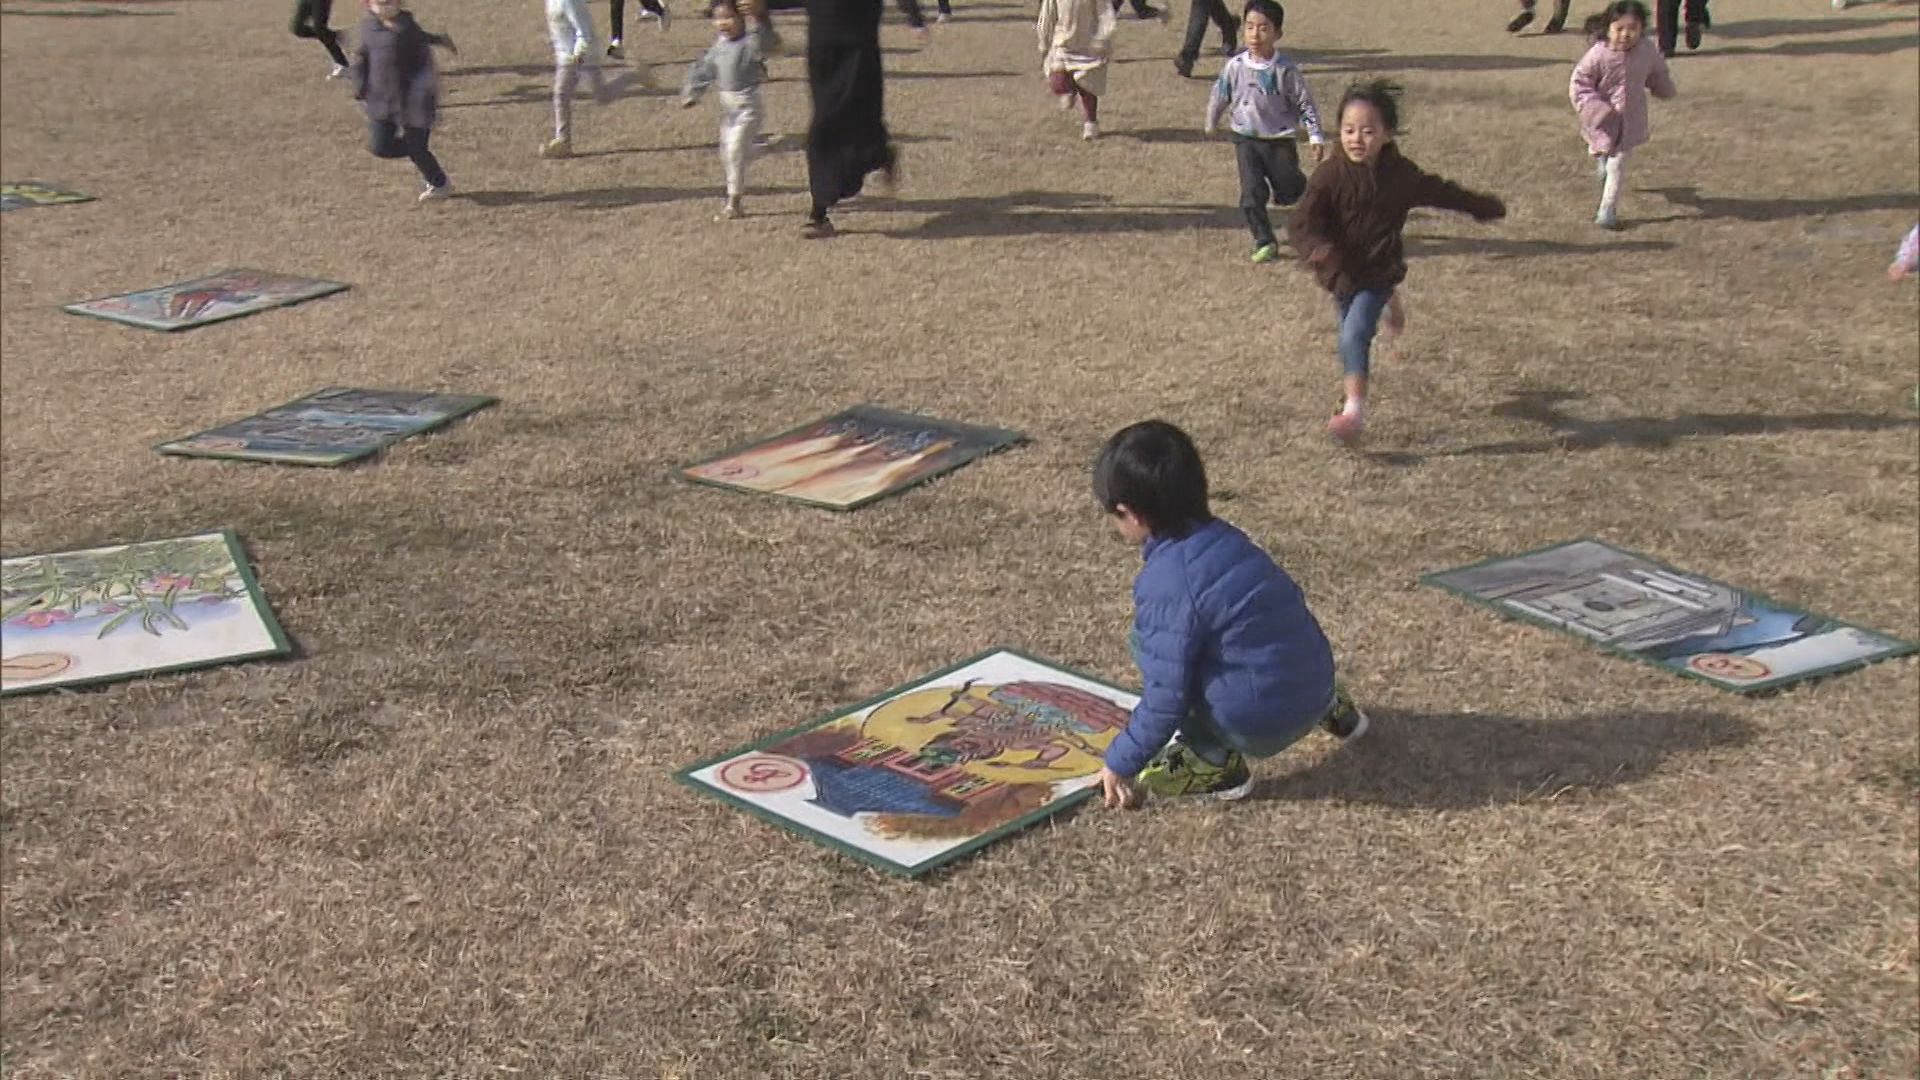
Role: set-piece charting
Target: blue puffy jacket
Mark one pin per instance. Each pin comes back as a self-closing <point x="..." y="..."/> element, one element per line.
<point x="1217" y="625"/>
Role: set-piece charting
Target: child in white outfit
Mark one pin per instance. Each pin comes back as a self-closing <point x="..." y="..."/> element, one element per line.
<point x="571" y="29"/>
<point x="735" y="64"/>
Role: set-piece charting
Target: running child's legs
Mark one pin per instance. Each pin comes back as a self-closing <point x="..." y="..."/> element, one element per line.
<point x="389" y="140"/>
<point x="1359" y="316"/>
<point x="740" y="124"/>
<point x="566" y="79"/>
<point x="310" y="18"/>
<point x="1198" y="16"/>
<point x="1063" y="85"/>
<point x="1269" y="171"/>
<point x="1614" y="175"/>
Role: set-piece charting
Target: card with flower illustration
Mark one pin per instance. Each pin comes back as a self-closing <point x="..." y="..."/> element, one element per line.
<point x="105" y="614"/>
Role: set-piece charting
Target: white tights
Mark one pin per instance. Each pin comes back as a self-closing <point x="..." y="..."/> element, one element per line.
<point x="1613" y="171"/>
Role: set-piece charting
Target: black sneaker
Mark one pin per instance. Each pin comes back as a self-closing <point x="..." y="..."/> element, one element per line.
<point x="1344" y="721"/>
<point x="1183" y="67"/>
<point x="1520" y="22"/>
<point x="1693" y="34"/>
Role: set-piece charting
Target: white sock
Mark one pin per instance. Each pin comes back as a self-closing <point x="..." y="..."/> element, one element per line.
<point x="1356" y="408"/>
<point x="1616" y="173"/>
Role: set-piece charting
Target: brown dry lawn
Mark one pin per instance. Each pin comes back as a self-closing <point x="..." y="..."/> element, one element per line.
<point x="444" y="839"/>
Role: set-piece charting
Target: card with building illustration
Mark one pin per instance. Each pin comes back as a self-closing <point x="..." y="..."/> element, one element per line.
<point x="24" y="194"/>
<point x="228" y="294"/>
<point x="933" y="770"/>
<point x="851" y="458"/>
<point x="1732" y="638"/>
<point x="111" y="613"/>
<point x="329" y="427"/>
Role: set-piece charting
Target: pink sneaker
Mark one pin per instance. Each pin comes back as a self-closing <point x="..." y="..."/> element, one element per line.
<point x="1346" y="427"/>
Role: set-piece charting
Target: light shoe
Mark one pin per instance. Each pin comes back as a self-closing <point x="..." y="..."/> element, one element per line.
<point x="437" y="193"/>
<point x="556" y="149"/>
<point x="615" y="51"/>
<point x="1346" y="427"/>
<point x="731" y="212"/>
<point x="340" y="71"/>
<point x="1265" y="253"/>
<point x="1089" y="131"/>
<point x="1608" y="220"/>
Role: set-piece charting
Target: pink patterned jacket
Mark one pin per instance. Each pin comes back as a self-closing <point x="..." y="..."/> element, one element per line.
<point x="1609" y="91"/>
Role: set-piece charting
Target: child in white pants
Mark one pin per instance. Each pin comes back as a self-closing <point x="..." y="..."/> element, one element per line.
<point x="736" y="66"/>
<point x="571" y="29"/>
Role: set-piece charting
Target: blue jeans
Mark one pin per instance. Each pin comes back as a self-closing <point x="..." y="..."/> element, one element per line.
<point x="1359" y="317"/>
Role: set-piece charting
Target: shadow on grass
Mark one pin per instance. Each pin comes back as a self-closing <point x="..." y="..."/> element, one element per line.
<point x="1458" y="761"/>
<point x="82" y="13"/>
<point x="607" y="198"/>
<point x="1169" y="135"/>
<point x="1567" y="433"/>
<point x="1503" y="248"/>
<point x="1048" y="213"/>
<point x="1719" y="207"/>
<point x="1878" y="46"/>
<point x="1759" y="28"/>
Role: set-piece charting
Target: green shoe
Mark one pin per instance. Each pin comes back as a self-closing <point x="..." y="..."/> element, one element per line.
<point x="1180" y="771"/>
<point x="1265" y="253"/>
<point x="1344" y="721"/>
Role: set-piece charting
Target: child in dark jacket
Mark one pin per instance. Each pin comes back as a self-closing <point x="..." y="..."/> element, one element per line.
<point x="1230" y="658"/>
<point x="393" y="76"/>
<point x="1347" y="229"/>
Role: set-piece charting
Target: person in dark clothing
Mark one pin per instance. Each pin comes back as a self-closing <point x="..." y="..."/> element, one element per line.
<point x="310" y="18"/>
<point x="1555" y="24"/>
<point x="618" y="16"/>
<point x="1669" y="23"/>
<point x="1141" y="10"/>
<point x="847" y="137"/>
<point x="393" y="76"/>
<point x="1197" y="17"/>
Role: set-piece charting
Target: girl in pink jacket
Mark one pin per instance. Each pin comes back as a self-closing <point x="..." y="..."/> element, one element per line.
<point x="1609" y="91"/>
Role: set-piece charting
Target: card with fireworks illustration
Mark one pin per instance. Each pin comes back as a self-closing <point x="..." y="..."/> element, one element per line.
<point x="851" y="458"/>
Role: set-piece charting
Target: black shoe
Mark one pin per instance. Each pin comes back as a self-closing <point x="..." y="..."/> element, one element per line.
<point x="1520" y="22"/>
<point x="1693" y="34"/>
<point x="1554" y="25"/>
<point x="1184" y="66"/>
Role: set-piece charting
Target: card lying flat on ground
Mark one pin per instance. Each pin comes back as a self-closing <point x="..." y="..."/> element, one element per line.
<point x="331" y="427"/>
<point x="228" y="294"/>
<point x="1696" y="626"/>
<point x="851" y="458"/>
<point x="932" y="770"/>
<point x="112" y="613"/>
<point x="24" y="194"/>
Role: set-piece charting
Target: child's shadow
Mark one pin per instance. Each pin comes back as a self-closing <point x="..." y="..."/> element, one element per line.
<point x="605" y="198"/>
<point x="1458" y="761"/>
<point x="1712" y="206"/>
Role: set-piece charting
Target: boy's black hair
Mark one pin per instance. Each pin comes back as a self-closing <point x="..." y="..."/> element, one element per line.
<point x="1153" y="469"/>
<point x="1596" y="25"/>
<point x="1382" y="94"/>
<point x="1275" y="14"/>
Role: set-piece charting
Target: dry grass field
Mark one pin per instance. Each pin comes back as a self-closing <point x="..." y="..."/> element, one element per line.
<point x="443" y="839"/>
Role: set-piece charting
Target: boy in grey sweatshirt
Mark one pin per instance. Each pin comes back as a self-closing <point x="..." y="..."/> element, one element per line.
<point x="1269" y="103"/>
<point x="736" y="66"/>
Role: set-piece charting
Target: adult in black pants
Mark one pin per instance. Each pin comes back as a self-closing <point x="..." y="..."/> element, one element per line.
<point x="619" y="19"/>
<point x="1141" y="10"/>
<point x="310" y="18"/>
<point x="1197" y="18"/>
<point x="1669" y="23"/>
<point x="847" y="137"/>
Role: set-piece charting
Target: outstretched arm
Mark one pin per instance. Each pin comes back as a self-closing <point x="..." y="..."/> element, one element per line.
<point x="1442" y="194"/>
<point x="700" y="76"/>
<point x="1169" y="647"/>
<point x="1660" y="79"/>
<point x="1221" y="97"/>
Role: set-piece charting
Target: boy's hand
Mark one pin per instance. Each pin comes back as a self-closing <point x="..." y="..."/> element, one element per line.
<point x="1116" y="793"/>
<point x="1318" y="152"/>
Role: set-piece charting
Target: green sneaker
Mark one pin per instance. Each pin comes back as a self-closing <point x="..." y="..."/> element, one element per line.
<point x="1344" y="721"/>
<point x="1179" y="771"/>
<point x="1265" y="253"/>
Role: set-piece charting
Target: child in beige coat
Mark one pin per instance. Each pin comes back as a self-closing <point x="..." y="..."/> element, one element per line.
<point x="1076" y="41"/>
